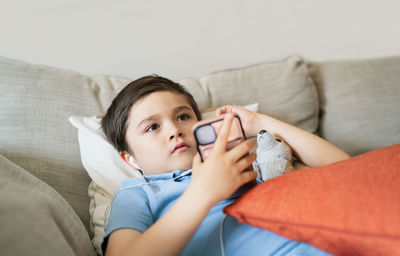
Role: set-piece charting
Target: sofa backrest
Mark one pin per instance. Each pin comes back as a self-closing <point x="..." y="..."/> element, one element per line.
<point x="359" y="102"/>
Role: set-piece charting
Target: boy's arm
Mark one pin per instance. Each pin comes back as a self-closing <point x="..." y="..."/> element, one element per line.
<point x="169" y="235"/>
<point x="308" y="148"/>
<point x="223" y="171"/>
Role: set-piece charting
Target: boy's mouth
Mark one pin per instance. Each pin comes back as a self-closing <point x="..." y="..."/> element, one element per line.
<point x="181" y="147"/>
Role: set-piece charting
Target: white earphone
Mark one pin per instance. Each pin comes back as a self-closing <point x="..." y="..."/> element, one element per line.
<point x="132" y="161"/>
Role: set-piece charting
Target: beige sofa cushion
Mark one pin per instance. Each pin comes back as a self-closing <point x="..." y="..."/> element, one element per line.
<point x="35" y="219"/>
<point x="359" y="102"/>
<point x="283" y="89"/>
<point x="35" y="103"/>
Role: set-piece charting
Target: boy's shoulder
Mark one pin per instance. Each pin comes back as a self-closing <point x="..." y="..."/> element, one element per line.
<point x="130" y="188"/>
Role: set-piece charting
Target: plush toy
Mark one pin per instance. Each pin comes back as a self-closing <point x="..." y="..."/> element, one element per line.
<point x="274" y="156"/>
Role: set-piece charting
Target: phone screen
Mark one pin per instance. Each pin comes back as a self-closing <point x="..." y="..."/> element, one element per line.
<point x="206" y="133"/>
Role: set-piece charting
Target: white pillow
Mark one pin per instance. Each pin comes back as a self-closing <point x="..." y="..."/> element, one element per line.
<point x="105" y="167"/>
<point x="100" y="159"/>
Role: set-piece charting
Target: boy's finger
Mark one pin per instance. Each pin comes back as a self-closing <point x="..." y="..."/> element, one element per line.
<point x="238" y="151"/>
<point x="246" y="162"/>
<point x="248" y="176"/>
<point x="222" y="110"/>
<point x="222" y="138"/>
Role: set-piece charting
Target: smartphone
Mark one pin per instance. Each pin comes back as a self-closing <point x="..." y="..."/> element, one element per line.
<point x="206" y="133"/>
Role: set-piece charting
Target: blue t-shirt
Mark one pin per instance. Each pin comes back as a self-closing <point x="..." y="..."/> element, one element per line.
<point x="138" y="204"/>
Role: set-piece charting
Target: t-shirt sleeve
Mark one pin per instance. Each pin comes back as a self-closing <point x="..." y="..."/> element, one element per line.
<point x="130" y="208"/>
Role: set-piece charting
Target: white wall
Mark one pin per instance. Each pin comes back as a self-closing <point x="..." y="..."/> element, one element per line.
<point x="191" y="38"/>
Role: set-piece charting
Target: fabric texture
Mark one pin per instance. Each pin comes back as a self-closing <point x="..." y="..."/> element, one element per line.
<point x="35" y="219"/>
<point x="35" y="102"/>
<point x="100" y="201"/>
<point x="347" y="208"/>
<point x="359" y="102"/>
<point x="137" y="205"/>
<point x="105" y="167"/>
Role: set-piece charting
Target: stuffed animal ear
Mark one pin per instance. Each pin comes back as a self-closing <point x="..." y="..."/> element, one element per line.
<point x="279" y="139"/>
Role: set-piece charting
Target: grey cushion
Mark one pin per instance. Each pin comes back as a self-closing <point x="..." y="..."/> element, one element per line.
<point x="283" y="89"/>
<point x="35" y="219"/>
<point x="35" y="102"/>
<point x="359" y="102"/>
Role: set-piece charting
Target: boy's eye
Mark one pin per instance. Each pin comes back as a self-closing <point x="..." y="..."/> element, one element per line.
<point x="183" y="117"/>
<point x="152" y="127"/>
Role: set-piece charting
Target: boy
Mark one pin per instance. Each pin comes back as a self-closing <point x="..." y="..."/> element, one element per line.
<point x="178" y="209"/>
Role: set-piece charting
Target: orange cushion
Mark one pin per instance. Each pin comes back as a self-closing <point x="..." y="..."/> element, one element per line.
<point x="346" y="208"/>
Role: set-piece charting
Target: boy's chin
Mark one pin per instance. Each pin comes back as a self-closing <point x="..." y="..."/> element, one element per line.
<point x="182" y="166"/>
<point x="183" y="163"/>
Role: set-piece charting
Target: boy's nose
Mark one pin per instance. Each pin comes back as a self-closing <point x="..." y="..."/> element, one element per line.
<point x="174" y="130"/>
<point x="179" y="134"/>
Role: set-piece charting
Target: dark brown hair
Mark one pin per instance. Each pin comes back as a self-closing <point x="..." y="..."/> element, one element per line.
<point x="114" y="123"/>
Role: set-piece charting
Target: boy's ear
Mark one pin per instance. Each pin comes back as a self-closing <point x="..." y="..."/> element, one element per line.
<point x="125" y="157"/>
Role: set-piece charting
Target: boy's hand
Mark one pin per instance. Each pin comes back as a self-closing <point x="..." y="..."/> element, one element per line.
<point x="248" y="118"/>
<point x="223" y="172"/>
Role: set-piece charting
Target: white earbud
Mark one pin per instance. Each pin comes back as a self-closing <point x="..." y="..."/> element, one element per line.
<point x="132" y="161"/>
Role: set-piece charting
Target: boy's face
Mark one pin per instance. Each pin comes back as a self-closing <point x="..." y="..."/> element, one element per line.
<point x="160" y="134"/>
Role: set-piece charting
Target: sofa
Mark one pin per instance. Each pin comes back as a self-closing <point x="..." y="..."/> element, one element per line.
<point x="52" y="202"/>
